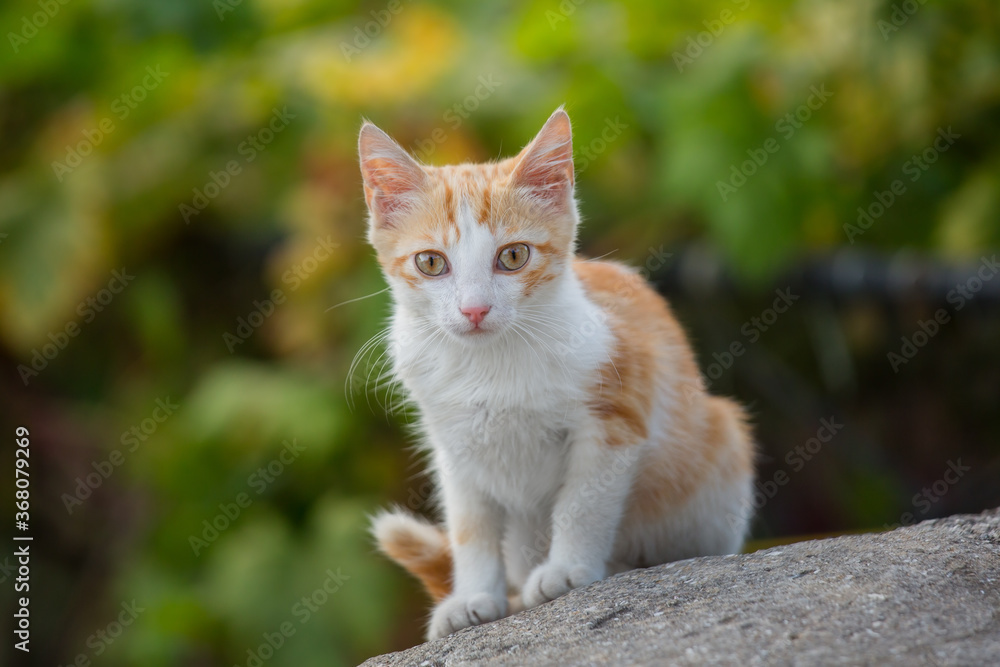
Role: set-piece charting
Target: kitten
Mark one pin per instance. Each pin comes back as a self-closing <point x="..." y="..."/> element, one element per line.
<point x="567" y="423"/>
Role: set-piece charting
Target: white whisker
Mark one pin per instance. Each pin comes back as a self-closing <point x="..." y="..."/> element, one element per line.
<point x="360" y="298"/>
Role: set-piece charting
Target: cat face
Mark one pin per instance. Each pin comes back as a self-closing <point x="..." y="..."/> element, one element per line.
<point x="472" y="247"/>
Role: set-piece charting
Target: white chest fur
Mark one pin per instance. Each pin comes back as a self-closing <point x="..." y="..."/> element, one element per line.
<point x="500" y="414"/>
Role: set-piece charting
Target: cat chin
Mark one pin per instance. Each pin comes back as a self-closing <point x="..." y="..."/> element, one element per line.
<point x="474" y="337"/>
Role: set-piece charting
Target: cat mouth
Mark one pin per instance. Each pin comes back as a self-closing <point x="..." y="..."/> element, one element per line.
<point x="473" y="333"/>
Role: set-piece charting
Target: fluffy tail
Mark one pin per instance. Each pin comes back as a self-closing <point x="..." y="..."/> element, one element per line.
<point x="419" y="546"/>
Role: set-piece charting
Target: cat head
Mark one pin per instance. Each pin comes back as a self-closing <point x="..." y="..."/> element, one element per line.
<point x="471" y="247"/>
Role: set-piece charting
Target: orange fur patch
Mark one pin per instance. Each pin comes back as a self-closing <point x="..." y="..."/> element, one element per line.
<point x="705" y="435"/>
<point x="625" y="387"/>
<point x="449" y="203"/>
<point x="539" y="274"/>
<point x="431" y="563"/>
<point x="486" y="208"/>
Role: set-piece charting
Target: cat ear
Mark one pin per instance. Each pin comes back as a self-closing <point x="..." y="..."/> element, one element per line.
<point x="392" y="178"/>
<point x="546" y="164"/>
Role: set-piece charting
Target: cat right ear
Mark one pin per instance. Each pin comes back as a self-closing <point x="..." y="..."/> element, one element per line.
<point x="392" y="178"/>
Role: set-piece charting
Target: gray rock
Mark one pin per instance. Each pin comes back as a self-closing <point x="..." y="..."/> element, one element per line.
<point x="923" y="595"/>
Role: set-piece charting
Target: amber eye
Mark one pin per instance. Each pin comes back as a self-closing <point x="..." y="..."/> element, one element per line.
<point x="513" y="257"/>
<point x="431" y="263"/>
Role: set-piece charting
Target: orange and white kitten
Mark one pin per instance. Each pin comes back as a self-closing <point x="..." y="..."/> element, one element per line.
<point x="569" y="431"/>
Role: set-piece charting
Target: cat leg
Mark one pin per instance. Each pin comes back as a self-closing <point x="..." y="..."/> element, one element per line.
<point x="714" y="518"/>
<point x="587" y="513"/>
<point x="713" y="522"/>
<point x="525" y="546"/>
<point x="479" y="588"/>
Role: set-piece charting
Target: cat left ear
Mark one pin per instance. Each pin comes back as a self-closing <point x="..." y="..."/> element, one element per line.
<point x="392" y="178"/>
<point x="546" y="164"/>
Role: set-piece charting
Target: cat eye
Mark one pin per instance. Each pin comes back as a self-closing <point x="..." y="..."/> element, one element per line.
<point x="431" y="263"/>
<point x="513" y="257"/>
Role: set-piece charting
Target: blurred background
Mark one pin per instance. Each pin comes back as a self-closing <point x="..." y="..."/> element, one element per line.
<point x="814" y="184"/>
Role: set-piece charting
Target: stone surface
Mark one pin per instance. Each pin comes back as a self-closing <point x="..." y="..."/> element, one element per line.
<point x="924" y="595"/>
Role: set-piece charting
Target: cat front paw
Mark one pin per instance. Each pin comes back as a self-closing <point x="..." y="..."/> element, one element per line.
<point x="455" y="613"/>
<point x="552" y="579"/>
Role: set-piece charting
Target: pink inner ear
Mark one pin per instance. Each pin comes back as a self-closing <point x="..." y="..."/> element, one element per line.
<point x="391" y="176"/>
<point x="390" y="183"/>
<point x="546" y="164"/>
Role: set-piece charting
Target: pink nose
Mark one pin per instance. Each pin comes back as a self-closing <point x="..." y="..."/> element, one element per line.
<point x="476" y="313"/>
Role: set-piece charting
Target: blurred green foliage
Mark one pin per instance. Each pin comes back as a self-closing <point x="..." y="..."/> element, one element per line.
<point x="140" y="135"/>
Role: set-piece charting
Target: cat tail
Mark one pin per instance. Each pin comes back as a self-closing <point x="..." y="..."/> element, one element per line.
<point x="420" y="546"/>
